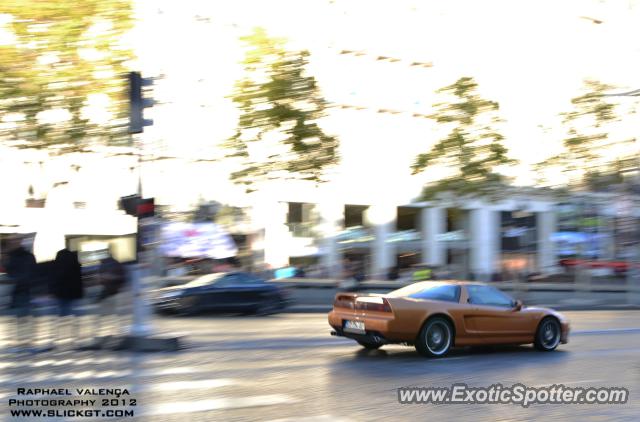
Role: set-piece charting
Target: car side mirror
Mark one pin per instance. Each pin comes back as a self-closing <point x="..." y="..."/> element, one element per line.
<point x="517" y="305"/>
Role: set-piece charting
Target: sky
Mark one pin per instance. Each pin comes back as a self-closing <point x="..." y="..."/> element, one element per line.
<point x="529" y="56"/>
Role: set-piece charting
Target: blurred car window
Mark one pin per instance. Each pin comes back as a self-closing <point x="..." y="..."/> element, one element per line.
<point x="407" y="291"/>
<point x="205" y="280"/>
<point x="229" y="280"/>
<point x="445" y="292"/>
<point x="487" y="295"/>
<point x="238" y="279"/>
<point x="250" y="278"/>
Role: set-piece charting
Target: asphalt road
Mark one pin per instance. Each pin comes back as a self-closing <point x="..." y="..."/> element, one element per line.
<point x="287" y="368"/>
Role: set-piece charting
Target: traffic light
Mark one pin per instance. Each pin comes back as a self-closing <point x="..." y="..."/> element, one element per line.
<point x="138" y="102"/>
<point x="146" y="208"/>
<point x="130" y="204"/>
<point x="138" y="207"/>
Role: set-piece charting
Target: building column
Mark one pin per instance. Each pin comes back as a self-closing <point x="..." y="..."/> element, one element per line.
<point x="276" y="236"/>
<point x="546" y="249"/>
<point x="485" y="245"/>
<point x="270" y="219"/>
<point x="433" y="222"/>
<point x="332" y="222"/>
<point x="382" y="218"/>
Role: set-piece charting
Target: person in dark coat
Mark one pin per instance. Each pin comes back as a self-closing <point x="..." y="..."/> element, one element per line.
<point x="21" y="269"/>
<point x="67" y="281"/>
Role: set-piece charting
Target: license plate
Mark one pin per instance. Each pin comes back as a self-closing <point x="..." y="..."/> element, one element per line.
<point x="354" y="326"/>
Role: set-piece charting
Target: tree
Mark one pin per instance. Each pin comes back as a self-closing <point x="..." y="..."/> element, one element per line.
<point x="587" y="156"/>
<point x="61" y="83"/>
<point x="278" y="135"/>
<point x="472" y="150"/>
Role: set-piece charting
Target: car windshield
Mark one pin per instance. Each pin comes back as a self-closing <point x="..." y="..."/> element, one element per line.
<point x="488" y="295"/>
<point x="205" y="280"/>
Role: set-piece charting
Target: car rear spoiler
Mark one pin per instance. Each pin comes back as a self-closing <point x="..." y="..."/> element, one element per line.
<point x="372" y="302"/>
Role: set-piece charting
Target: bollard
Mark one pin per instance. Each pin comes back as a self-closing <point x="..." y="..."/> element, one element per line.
<point x="141" y="325"/>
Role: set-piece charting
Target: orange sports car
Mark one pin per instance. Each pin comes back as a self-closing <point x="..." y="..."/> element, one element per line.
<point x="434" y="316"/>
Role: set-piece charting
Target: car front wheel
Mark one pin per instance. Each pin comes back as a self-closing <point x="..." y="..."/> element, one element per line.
<point x="548" y="335"/>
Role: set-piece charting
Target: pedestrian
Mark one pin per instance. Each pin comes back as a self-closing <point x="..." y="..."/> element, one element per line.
<point x="111" y="277"/>
<point x="21" y="270"/>
<point x="67" y="289"/>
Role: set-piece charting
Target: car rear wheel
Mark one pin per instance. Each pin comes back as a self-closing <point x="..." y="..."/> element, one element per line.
<point x="370" y="346"/>
<point x="548" y="335"/>
<point x="187" y="306"/>
<point x="268" y="308"/>
<point x="435" y="338"/>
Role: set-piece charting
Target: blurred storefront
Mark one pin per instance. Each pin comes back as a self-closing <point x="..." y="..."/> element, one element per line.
<point x="467" y="239"/>
<point x="518" y="244"/>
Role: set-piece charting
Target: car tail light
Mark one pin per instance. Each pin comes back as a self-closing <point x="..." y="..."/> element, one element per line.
<point x="377" y="304"/>
<point x="344" y="301"/>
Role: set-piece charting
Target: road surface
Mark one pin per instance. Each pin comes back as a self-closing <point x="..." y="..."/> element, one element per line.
<point x="287" y="368"/>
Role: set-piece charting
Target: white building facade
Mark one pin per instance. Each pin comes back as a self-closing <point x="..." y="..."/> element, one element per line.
<point x="380" y="235"/>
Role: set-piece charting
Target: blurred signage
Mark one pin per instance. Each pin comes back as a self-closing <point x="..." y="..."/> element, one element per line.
<point x="404" y="236"/>
<point x="515" y="231"/>
<point x="518" y="231"/>
<point x="454" y="236"/>
<point x="580" y="244"/>
<point x="288" y="272"/>
<point x="354" y="235"/>
<point x="197" y="240"/>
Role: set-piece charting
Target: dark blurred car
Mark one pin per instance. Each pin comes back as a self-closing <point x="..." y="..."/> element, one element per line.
<point x="230" y="292"/>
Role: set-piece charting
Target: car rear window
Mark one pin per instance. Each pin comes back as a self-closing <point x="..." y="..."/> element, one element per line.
<point x="445" y="292"/>
<point x="431" y="290"/>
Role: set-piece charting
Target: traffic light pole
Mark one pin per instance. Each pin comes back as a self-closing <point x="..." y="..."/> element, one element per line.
<point x="140" y="336"/>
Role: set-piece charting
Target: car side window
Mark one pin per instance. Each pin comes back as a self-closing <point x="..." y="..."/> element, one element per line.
<point x="251" y="279"/>
<point x="228" y="280"/>
<point x="447" y="293"/>
<point x="238" y="279"/>
<point x="489" y="296"/>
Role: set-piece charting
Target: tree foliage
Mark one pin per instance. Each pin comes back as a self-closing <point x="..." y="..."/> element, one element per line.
<point x="61" y="68"/>
<point x="587" y="145"/>
<point x="280" y="107"/>
<point x="473" y="148"/>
